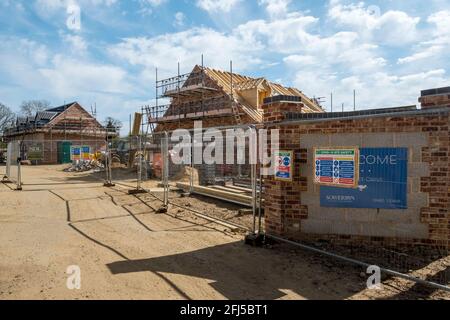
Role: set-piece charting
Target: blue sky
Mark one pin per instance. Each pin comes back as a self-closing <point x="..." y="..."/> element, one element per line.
<point x="388" y="50"/>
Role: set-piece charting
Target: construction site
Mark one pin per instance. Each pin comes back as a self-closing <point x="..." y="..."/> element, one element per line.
<point x="230" y="187"/>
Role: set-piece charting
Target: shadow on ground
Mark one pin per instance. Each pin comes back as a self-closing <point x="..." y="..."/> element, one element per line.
<point x="239" y="272"/>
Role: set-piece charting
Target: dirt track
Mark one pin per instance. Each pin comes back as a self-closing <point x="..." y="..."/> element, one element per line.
<point x="126" y="251"/>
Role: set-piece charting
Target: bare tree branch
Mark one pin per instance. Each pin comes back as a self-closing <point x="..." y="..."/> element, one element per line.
<point x="6" y="117"/>
<point x="114" y="124"/>
<point x="29" y="108"/>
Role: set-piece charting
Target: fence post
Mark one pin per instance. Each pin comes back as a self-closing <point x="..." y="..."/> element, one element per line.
<point x="191" y="178"/>
<point x="6" y="177"/>
<point x="260" y="200"/>
<point x="139" y="168"/>
<point x="108" y="167"/>
<point x="253" y="144"/>
<point x="165" y="167"/>
<point x="19" y="174"/>
<point x="254" y="238"/>
<point x="140" y="157"/>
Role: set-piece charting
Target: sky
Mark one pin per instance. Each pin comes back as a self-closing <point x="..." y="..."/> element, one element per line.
<point x="105" y="52"/>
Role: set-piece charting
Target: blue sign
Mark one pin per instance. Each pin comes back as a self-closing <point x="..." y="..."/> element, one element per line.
<point x="382" y="182"/>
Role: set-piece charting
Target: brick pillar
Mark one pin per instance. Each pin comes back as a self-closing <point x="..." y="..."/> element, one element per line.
<point x="435" y="98"/>
<point x="283" y="209"/>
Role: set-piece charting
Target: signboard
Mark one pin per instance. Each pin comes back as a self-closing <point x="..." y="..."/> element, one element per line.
<point x="35" y="152"/>
<point x="75" y="153"/>
<point x="382" y="184"/>
<point x="283" y="165"/>
<point x="85" y="153"/>
<point x="336" y="167"/>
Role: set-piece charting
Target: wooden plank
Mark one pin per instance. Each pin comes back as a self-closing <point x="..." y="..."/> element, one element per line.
<point x="240" y="188"/>
<point x="218" y="194"/>
<point x="229" y="189"/>
<point x="137" y="124"/>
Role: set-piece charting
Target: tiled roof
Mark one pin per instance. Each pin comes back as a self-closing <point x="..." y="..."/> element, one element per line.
<point x="61" y="108"/>
<point x="46" y="115"/>
<point x="40" y="119"/>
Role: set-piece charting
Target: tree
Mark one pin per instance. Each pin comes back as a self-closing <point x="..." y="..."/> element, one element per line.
<point x="6" y="117"/>
<point x="113" y="124"/>
<point x="29" y="108"/>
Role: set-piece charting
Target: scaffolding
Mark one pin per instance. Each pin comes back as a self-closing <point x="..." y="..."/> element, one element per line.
<point x="192" y="96"/>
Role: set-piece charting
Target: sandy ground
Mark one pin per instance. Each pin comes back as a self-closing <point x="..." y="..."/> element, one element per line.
<point x="126" y="251"/>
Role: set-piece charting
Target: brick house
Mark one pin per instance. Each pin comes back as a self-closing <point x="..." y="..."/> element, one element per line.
<point x="55" y="130"/>
<point x="218" y="98"/>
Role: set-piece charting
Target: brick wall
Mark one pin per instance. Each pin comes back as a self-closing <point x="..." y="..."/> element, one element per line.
<point x="293" y="209"/>
<point x="50" y="144"/>
<point x="436" y="100"/>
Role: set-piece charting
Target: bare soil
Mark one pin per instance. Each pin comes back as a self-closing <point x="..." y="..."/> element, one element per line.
<point x="127" y="251"/>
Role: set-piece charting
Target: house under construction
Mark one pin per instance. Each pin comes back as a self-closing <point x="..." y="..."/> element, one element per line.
<point x="218" y="98"/>
<point x="55" y="131"/>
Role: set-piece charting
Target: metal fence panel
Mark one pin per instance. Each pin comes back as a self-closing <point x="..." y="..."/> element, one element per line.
<point x="13" y="164"/>
<point x="215" y="175"/>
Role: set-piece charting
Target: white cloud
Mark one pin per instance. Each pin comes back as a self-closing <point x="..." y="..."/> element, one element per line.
<point x="374" y="90"/>
<point x="31" y="67"/>
<point x="394" y="28"/>
<point x="187" y="46"/>
<point x="292" y="35"/>
<point x="323" y="58"/>
<point x="284" y="35"/>
<point x="20" y="59"/>
<point x="276" y="8"/>
<point x="437" y="43"/>
<point x="77" y="44"/>
<point x="214" y="6"/>
<point x="147" y="6"/>
<point x="441" y="22"/>
<point x="427" y="53"/>
<point x="70" y="77"/>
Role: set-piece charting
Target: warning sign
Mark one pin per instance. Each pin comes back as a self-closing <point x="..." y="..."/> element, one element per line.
<point x="85" y="153"/>
<point x="337" y="167"/>
<point x="75" y="153"/>
<point x="283" y="165"/>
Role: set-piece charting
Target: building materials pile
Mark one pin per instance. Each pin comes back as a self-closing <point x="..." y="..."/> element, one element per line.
<point x="84" y="166"/>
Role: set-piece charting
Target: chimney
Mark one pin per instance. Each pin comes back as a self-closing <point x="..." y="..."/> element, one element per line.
<point x="435" y="98"/>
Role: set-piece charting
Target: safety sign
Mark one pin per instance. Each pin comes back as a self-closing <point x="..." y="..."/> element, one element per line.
<point x="75" y="153"/>
<point x="338" y="167"/>
<point x="283" y="165"/>
<point x="85" y="153"/>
